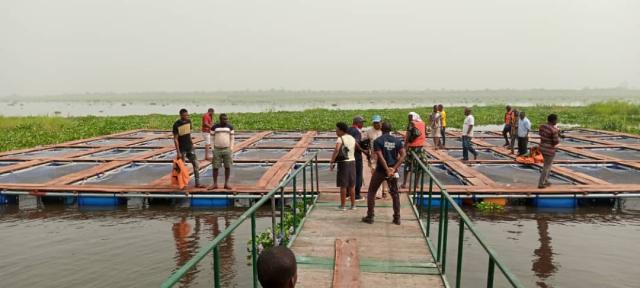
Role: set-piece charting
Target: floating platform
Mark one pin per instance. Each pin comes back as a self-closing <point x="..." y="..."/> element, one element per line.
<point x="139" y="161"/>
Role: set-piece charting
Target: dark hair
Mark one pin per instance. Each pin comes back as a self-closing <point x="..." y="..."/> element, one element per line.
<point x="386" y="126"/>
<point x="210" y="110"/>
<point x="223" y="115"/>
<point x="276" y="267"/>
<point x="342" y="126"/>
<point x="183" y="111"/>
<point x="552" y="118"/>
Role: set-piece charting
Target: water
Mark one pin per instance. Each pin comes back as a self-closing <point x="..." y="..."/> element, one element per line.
<point x="134" y="246"/>
<point x="583" y="247"/>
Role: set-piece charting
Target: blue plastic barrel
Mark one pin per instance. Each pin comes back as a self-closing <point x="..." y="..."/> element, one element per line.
<point x="564" y="202"/>
<point x="8" y="199"/>
<point x="211" y="202"/>
<point x="435" y="202"/>
<point x="101" y="201"/>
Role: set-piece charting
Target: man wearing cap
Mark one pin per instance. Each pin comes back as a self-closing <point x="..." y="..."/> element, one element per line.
<point x="369" y="135"/>
<point x="356" y="132"/>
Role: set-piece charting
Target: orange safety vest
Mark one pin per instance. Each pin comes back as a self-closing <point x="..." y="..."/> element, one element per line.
<point x="420" y="140"/>
<point x="179" y="174"/>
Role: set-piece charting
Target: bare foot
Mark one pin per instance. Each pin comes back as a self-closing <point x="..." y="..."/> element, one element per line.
<point x="213" y="187"/>
<point x="199" y="186"/>
<point x="403" y="186"/>
<point x="228" y="187"/>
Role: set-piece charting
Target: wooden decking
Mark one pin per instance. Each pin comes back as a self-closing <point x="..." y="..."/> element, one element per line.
<point x="389" y="255"/>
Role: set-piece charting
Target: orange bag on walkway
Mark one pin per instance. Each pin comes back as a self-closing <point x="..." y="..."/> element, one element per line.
<point x="536" y="155"/>
<point x="525" y="160"/>
<point x="179" y="174"/>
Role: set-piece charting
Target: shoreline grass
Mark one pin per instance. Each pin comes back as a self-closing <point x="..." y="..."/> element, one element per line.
<point x="31" y="131"/>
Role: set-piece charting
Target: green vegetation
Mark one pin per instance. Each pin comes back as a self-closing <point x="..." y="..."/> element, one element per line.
<point x="488" y="206"/>
<point x="264" y="239"/>
<point x="23" y="132"/>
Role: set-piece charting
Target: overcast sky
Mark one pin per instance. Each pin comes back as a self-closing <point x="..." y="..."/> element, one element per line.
<point x="76" y="46"/>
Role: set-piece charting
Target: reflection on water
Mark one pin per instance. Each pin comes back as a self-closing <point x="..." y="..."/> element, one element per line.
<point x="593" y="246"/>
<point x="543" y="265"/>
<point x="139" y="245"/>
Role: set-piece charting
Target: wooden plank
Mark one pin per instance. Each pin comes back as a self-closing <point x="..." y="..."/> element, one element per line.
<point x="23" y="165"/>
<point x="346" y="271"/>
<point x="272" y="177"/>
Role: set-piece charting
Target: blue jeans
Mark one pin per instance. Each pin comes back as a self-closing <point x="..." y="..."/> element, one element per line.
<point x="467" y="147"/>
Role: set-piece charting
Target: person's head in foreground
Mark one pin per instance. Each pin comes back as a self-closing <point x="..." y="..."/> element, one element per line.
<point x="435" y="108"/>
<point x="341" y="128"/>
<point x="508" y="108"/>
<point x="376" y="122"/>
<point x="467" y="111"/>
<point x="522" y="115"/>
<point x="184" y="114"/>
<point x="386" y="127"/>
<point x="224" y="119"/>
<point x="210" y="111"/>
<point x="552" y="119"/>
<point x="277" y="268"/>
<point x="440" y="107"/>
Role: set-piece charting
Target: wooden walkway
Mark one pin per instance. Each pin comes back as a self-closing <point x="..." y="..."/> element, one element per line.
<point x="389" y="255"/>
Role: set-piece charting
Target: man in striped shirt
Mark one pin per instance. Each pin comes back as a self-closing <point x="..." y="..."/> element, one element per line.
<point x="223" y="137"/>
<point x="549" y="140"/>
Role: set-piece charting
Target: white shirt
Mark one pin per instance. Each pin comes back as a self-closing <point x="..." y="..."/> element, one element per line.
<point x="350" y="142"/>
<point x="468" y="121"/>
<point x="524" y="126"/>
<point x="371" y="134"/>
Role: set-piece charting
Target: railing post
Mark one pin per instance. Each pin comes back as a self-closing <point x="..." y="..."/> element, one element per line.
<point x="295" y="206"/>
<point x="490" y="273"/>
<point x="445" y="231"/>
<point x="273" y="217"/>
<point x="216" y="267"/>
<point x="460" y="246"/>
<point x="317" y="175"/>
<point x="254" y="252"/>
<point x="282" y="232"/>
<point x="421" y="193"/>
<point x="304" y="189"/>
<point x="440" y="224"/>
<point x="312" y="179"/>
<point x="429" y="206"/>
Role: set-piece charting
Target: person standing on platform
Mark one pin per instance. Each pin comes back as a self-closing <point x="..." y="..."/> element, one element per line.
<point x="344" y="155"/>
<point x="435" y="123"/>
<point x="207" y="123"/>
<point x="514" y="130"/>
<point x="549" y="140"/>
<point x="467" y="135"/>
<point x="390" y="156"/>
<point x="524" y="126"/>
<point x="507" y="125"/>
<point x="183" y="143"/>
<point x="371" y="134"/>
<point x="443" y="115"/>
<point x="356" y="132"/>
<point x="415" y="139"/>
<point x="223" y="139"/>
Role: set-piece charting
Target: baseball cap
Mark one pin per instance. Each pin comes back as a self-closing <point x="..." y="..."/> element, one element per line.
<point x="358" y="119"/>
<point x="376" y="118"/>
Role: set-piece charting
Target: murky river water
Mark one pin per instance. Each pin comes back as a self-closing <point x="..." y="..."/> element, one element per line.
<point x="593" y="246"/>
<point x="140" y="245"/>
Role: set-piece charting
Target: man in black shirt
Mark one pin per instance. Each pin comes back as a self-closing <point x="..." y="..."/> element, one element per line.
<point x="355" y="132"/>
<point x="390" y="153"/>
<point x="184" y="147"/>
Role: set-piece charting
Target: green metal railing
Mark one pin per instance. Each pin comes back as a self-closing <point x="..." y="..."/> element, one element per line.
<point x="311" y="166"/>
<point x="446" y="203"/>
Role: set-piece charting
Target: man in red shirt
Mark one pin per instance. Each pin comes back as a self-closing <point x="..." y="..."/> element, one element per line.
<point x="207" y="122"/>
<point x="549" y="140"/>
<point x="506" y="131"/>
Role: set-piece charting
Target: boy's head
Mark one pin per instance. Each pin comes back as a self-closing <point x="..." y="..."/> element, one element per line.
<point x="224" y="119"/>
<point x="184" y="114"/>
<point x="277" y="268"/>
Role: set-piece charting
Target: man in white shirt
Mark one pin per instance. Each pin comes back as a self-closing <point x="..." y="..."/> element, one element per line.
<point x="467" y="134"/>
<point x="371" y="134"/>
<point x="524" y="126"/>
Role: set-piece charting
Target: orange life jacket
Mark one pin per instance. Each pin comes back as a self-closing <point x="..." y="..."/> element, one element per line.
<point x="420" y="140"/>
<point x="179" y="174"/>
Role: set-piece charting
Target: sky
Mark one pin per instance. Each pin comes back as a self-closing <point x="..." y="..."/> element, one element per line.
<point x="78" y="46"/>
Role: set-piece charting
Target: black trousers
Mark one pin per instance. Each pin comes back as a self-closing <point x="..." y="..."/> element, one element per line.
<point x="359" y="176"/>
<point x="443" y="134"/>
<point x="522" y="145"/>
<point x="376" y="180"/>
<point x="194" y="161"/>
<point x="506" y="133"/>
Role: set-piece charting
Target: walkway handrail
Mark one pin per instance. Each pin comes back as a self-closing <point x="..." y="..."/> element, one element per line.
<point x="418" y="173"/>
<point x="213" y="246"/>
